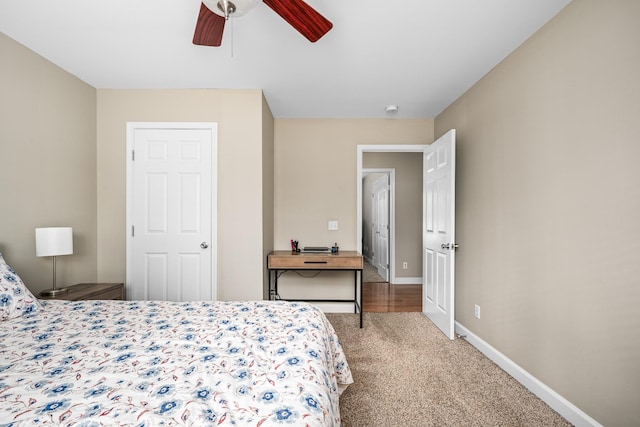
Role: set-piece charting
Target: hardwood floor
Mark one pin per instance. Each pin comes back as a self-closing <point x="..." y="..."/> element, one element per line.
<point x="383" y="298"/>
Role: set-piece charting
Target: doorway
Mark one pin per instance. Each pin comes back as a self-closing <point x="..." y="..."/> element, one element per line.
<point x="438" y="218"/>
<point x="378" y="219"/>
<point x="403" y="291"/>
<point x="404" y="164"/>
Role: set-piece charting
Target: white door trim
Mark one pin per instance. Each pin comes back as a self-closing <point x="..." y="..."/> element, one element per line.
<point x="392" y="217"/>
<point x="361" y="149"/>
<point x="213" y="246"/>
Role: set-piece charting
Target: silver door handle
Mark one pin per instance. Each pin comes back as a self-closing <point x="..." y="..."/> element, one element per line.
<point x="204" y="245"/>
<point x="452" y="246"/>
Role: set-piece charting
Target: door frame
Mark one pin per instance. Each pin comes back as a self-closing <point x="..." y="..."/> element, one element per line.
<point x="213" y="246"/>
<point x="361" y="149"/>
<point x="391" y="172"/>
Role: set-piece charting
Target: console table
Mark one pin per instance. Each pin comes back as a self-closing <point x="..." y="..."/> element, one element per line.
<point x="342" y="260"/>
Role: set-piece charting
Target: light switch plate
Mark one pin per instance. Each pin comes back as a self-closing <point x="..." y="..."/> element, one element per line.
<point x="333" y="225"/>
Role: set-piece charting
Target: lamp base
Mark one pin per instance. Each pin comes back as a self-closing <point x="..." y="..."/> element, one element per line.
<point x="53" y="292"/>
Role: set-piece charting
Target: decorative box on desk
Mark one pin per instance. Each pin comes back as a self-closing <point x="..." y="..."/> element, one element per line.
<point x="342" y="260"/>
<point x="92" y="291"/>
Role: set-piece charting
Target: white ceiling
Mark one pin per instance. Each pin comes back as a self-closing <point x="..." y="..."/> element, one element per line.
<point x="418" y="54"/>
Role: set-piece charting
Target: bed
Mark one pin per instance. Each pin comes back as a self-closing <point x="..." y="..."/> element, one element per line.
<point x="153" y="363"/>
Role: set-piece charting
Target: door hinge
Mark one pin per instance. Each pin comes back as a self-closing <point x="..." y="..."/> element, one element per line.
<point x="450" y="246"/>
<point x="133" y="231"/>
<point x="133" y="155"/>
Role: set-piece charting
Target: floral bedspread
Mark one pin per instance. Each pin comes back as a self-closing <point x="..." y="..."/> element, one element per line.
<point x="152" y="363"/>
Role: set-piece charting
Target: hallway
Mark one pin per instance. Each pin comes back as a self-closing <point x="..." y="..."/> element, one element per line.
<point x="381" y="297"/>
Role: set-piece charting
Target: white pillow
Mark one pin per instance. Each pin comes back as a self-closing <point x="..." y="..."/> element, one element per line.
<point x="15" y="298"/>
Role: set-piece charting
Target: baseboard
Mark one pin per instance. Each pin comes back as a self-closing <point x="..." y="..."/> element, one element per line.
<point x="561" y="405"/>
<point x="334" y="307"/>
<point x="407" y="281"/>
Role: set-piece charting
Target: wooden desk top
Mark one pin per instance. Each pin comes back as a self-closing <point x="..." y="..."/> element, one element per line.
<point x="342" y="260"/>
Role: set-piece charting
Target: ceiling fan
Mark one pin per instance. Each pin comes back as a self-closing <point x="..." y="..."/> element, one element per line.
<point x="213" y="15"/>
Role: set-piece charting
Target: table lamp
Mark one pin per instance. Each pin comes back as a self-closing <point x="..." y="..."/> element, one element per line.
<point x="53" y="242"/>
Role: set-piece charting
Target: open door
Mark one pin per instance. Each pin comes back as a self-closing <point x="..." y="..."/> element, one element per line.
<point x="438" y="290"/>
<point x="380" y="210"/>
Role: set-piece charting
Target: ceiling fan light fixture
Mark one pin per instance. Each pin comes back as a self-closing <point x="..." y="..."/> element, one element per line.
<point x="391" y="109"/>
<point x="228" y="8"/>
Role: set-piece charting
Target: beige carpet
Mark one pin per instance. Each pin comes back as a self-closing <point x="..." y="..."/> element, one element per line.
<point x="407" y="373"/>
<point x="370" y="274"/>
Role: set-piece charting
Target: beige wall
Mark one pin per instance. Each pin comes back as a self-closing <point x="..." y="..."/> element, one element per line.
<point x="268" y="211"/>
<point x="548" y="198"/>
<point x="316" y="181"/>
<point x="48" y="173"/>
<point x="240" y="115"/>
<point x="408" y="207"/>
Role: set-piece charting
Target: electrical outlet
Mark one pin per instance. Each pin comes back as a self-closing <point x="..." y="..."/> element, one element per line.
<point x="405" y="265"/>
<point x="333" y="225"/>
<point x="476" y="312"/>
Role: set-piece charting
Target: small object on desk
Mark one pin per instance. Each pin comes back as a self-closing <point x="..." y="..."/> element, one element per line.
<point x="320" y="249"/>
<point x="294" y="246"/>
<point x="334" y="248"/>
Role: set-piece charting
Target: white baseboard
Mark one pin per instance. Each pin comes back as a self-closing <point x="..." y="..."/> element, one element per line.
<point x="334" y="307"/>
<point x="561" y="405"/>
<point x="407" y="281"/>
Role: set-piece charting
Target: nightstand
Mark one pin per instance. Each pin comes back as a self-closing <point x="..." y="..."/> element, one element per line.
<point x="92" y="291"/>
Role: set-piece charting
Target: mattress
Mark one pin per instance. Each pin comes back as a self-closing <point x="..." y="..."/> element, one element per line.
<point x="158" y="363"/>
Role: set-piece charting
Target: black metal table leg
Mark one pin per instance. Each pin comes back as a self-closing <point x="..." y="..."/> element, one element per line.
<point x="361" y="300"/>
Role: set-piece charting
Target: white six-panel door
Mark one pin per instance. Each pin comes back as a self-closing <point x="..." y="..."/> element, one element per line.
<point x="380" y="210"/>
<point x="439" y="233"/>
<point x="171" y="231"/>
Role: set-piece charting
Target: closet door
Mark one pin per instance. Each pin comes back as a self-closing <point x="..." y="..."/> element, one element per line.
<point x="172" y="202"/>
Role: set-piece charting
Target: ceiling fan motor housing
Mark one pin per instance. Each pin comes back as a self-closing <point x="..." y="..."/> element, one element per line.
<point x="227" y="8"/>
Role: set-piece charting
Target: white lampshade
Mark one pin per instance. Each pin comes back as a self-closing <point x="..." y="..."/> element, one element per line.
<point x="235" y="7"/>
<point x="54" y="241"/>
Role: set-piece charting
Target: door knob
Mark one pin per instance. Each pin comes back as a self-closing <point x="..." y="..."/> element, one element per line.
<point x="452" y="246"/>
<point x="204" y="245"/>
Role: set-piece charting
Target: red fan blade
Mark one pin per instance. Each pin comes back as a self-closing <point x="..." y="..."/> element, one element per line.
<point x="209" y="28"/>
<point x="302" y="17"/>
